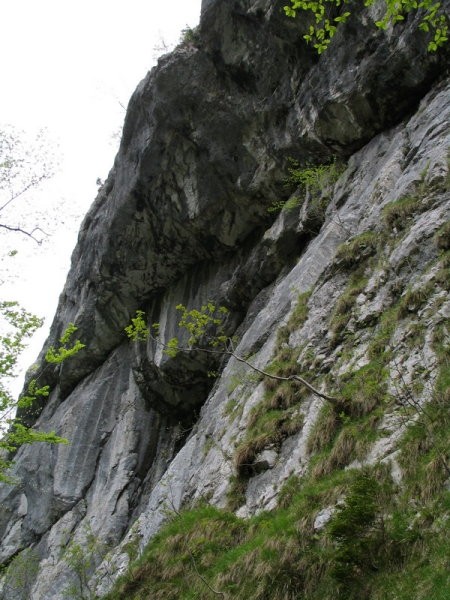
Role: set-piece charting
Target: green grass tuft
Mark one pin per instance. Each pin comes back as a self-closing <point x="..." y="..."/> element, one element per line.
<point x="357" y="249"/>
<point x="442" y="237"/>
<point x="397" y="215"/>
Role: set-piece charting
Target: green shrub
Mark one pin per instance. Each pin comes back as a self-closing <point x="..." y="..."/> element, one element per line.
<point x="190" y="35"/>
<point x="316" y="179"/>
<point x="138" y="329"/>
<point x="315" y="182"/>
<point x="354" y="529"/>
<point x="323" y="23"/>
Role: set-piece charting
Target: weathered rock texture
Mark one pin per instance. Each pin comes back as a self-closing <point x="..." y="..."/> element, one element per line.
<point x="183" y="218"/>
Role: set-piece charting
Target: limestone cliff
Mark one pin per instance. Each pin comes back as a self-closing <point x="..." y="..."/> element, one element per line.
<point x="186" y="216"/>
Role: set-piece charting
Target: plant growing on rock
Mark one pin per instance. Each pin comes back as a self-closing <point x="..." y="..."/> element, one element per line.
<point x="64" y="352"/>
<point x="316" y="179"/>
<point x="82" y="559"/>
<point x="207" y="334"/>
<point x="137" y="330"/>
<point x="315" y="182"/>
<point x="190" y="35"/>
<point x="396" y="214"/>
<point x="358" y="248"/>
<point x="20" y="574"/>
<point x="328" y="15"/>
<point x="355" y="530"/>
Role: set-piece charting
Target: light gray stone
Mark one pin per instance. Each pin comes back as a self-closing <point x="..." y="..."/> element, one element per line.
<point x="323" y="517"/>
<point x="23" y="506"/>
<point x="183" y="219"/>
<point x="265" y="460"/>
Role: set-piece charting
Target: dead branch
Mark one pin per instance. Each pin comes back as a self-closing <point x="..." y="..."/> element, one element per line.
<point x="29" y="234"/>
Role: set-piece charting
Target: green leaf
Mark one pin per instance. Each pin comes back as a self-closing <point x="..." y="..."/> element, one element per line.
<point x="138" y="329"/>
<point x="172" y="348"/>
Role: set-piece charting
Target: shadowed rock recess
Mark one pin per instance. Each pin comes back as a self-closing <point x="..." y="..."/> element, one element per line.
<point x="346" y="286"/>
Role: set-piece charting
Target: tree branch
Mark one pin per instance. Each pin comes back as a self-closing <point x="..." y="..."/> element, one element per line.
<point x="24" y="232"/>
<point x="229" y="351"/>
<point x="298" y="378"/>
<point x="31" y="184"/>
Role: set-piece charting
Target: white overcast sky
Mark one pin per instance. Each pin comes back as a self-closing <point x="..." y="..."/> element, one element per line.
<point x="68" y="67"/>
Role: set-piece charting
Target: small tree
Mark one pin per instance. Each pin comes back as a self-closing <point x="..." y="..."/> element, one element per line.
<point x="82" y="559"/>
<point x="24" y="165"/>
<point x="20" y="574"/>
<point x="206" y="329"/>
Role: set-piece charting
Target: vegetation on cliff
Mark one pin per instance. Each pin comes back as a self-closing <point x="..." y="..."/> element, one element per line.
<point x="348" y="528"/>
<point x="328" y="15"/>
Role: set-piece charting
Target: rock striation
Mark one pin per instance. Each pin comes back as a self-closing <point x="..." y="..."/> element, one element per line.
<point x="183" y="218"/>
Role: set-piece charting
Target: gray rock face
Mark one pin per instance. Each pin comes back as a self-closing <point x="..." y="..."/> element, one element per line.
<point x="183" y="218"/>
<point x="204" y="150"/>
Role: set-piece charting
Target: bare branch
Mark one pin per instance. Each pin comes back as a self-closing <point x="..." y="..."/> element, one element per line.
<point x="29" y="234"/>
<point x="33" y="183"/>
<point x="298" y="378"/>
<point x="25" y="164"/>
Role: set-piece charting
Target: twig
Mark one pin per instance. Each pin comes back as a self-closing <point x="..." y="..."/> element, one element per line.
<point x="33" y="183"/>
<point x="24" y="232"/>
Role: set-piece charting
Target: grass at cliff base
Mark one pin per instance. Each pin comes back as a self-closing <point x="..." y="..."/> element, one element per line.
<point x="380" y="543"/>
<point x="338" y="533"/>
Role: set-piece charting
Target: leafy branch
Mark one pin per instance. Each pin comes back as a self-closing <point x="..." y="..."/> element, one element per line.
<point x="325" y="25"/>
<point x="64" y="352"/>
<point x="207" y="325"/>
<point x="24" y="325"/>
